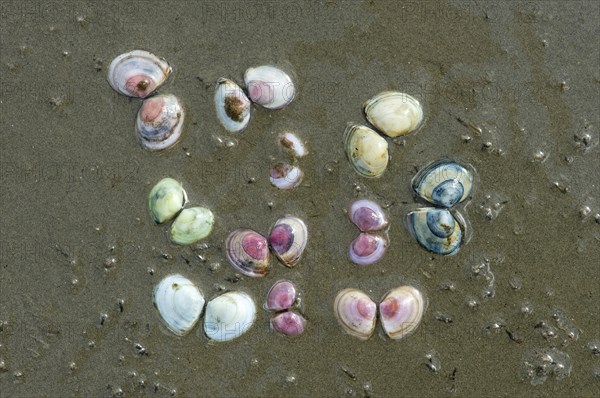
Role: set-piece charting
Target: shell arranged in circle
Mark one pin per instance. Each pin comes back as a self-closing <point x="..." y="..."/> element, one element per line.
<point x="367" y="151"/>
<point x="443" y="183"/>
<point x="159" y="122"/>
<point x="179" y="303"/>
<point x="282" y="296"/>
<point x="437" y="230"/>
<point x="166" y="199"/>
<point x="229" y="315"/>
<point x="248" y="252"/>
<point x="137" y="73"/>
<point x="191" y="225"/>
<point x="401" y="311"/>
<point x="367" y="215"/>
<point x="288" y="239"/>
<point x="367" y="249"/>
<point x="355" y="312"/>
<point x="269" y="86"/>
<point x="288" y="323"/>
<point x="394" y="113"/>
<point x="232" y="105"/>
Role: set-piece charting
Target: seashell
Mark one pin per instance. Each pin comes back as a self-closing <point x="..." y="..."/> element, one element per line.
<point x="281" y="296"/>
<point x="443" y="183"/>
<point x="292" y="144"/>
<point x="191" y="225"/>
<point x="179" y="303"/>
<point x="269" y="87"/>
<point x="288" y="239"/>
<point x="288" y="323"/>
<point x="233" y="107"/>
<point x="436" y="230"/>
<point x="285" y="176"/>
<point x="159" y="122"/>
<point x="166" y="199"/>
<point x="248" y="252"/>
<point x="394" y="113"/>
<point x="401" y="311"/>
<point x="367" y="215"/>
<point x="367" y="151"/>
<point x="137" y="73"/>
<point x="228" y="316"/>
<point x="367" y="249"/>
<point x="356" y="313"/>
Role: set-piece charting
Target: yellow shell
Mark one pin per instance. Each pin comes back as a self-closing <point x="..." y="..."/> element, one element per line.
<point x="394" y="113"/>
<point x="367" y="151"/>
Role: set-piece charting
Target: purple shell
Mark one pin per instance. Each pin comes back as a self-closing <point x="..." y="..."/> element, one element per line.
<point x="282" y="296"/>
<point x="248" y="252"/>
<point x="367" y="215"/>
<point x="288" y="239"/>
<point x="367" y="249"/>
<point x="288" y="323"/>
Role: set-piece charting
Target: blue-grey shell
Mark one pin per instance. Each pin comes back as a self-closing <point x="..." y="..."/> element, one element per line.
<point x="436" y="230"/>
<point x="443" y="183"/>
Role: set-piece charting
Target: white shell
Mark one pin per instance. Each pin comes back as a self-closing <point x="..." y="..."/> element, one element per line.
<point x="355" y="312"/>
<point x="159" y="122"/>
<point x="292" y="144"/>
<point x="232" y="105"/>
<point x="401" y="311"/>
<point x="394" y="113"/>
<point x="269" y="87"/>
<point x="285" y="176"/>
<point x="137" y="73"/>
<point x="367" y="151"/>
<point x="228" y="316"/>
<point x="179" y="303"/>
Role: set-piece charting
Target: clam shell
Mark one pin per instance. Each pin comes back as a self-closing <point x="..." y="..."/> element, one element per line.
<point x="248" y="252"/>
<point x="292" y="144"/>
<point x="367" y="215"/>
<point x="394" y="113"/>
<point x="179" y="303"/>
<point x="269" y="86"/>
<point x="286" y="176"/>
<point x="228" y="316"/>
<point x="437" y="230"/>
<point x="281" y="296"/>
<point x="159" y="122"/>
<point x="166" y="199"/>
<point x="288" y="240"/>
<point x="367" y="249"/>
<point x="443" y="183"/>
<point x="288" y="323"/>
<point x="367" y="151"/>
<point x="191" y="225"/>
<point x="355" y="312"/>
<point x="137" y="73"/>
<point x="401" y="311"/>
<point x="232" y="105"/>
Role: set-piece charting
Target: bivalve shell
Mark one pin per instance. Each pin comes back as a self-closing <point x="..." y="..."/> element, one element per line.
<point x="248" y="252"/>
<point x="437" y="230"/>
<point x="401" y="311"/>
<point x="355" y="312"/>
<point x="443" y="183"/>
<point x="179" y="303"/>
<point x="269" y="86"/>
<point x="367" y="215"/>
<point x="282" y="296"/>
<point x="285" y="176"/>
<point x="159" y="122"/>
<point x="166" y="199"/>
<point x="394" y="113"/>
<point x="288" y="240"/>
<point x="367" y="151"/>
<point x="367" y="249"/>
<point x="288" y="323"/>
<point x="137" y="73"/>
<point x="232" y="105"/>
<point x="228" y="316"/>
<point x="191" y="225"/>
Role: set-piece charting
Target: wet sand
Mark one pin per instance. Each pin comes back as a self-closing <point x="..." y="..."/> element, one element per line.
<point x="80" y="254"/>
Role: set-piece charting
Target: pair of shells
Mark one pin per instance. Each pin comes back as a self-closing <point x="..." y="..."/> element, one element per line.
<point x="391" y="112"/>
<point x="368" y="247"/>
<point x="444" y="184"/>
<point x="180" y="304"/>
<point x="400" y="312"/>
<point x="248" y="251"/>
<point x="166" y="200"/>
<point x="281" y="299"/>
<point x="138" y="74"/>
<point x="267" y="86"/>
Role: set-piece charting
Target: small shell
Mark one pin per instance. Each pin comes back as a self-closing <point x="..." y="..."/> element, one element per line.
<point x="285" y="176"/>
<point x="228" y="316"/>
<point x="159" y="122"/>
<point x="288" y="323"/>
<point x="367" y="249"/>
<point x="281" y="296"/>
<point x="166" y="199"/>
<point x="191" y="225"/>
<point x="367" y="151"/>
<point x="292" y="144"/>
<point x="367" y="215"/>
<point x="137" y="73"/>
<point x="356" y="313"/>
<point x="436" y="230"/>
<point x="233" y="107"/>
<point x="394" y="113"/>
<point x="248" y="252"/>
<point x="401" y="311"/>
<point x="288" y="239"/>
<point x="179" y="303"/>
<point x="269" y="87"/>
<point x="443" y="183"/>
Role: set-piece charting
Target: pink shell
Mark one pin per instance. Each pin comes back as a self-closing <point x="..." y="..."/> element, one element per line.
<point x="288" y="323"/>
<point x="367" y="215"/>
<point x="281" y="296"/>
